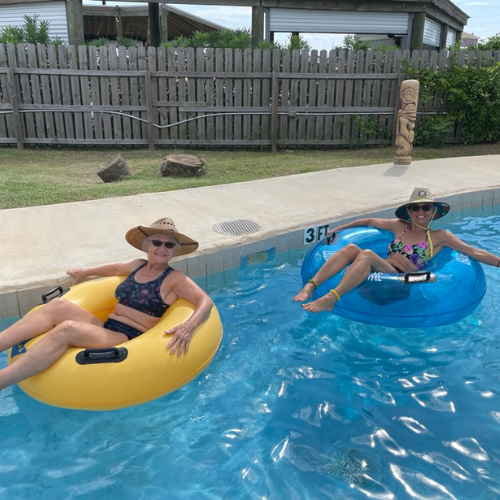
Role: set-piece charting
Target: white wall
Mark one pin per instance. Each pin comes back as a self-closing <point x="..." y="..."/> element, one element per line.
<point x="54" y="12"/>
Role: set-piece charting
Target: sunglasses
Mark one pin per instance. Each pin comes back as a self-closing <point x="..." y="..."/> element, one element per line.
<point x="425" y="208"/>
<point x="158" y="243"/>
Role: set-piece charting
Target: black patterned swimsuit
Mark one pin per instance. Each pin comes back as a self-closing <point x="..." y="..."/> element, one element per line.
<point x="143" y="297"/>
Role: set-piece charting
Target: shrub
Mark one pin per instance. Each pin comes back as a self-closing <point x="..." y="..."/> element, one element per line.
<point x="470" y="95"/>
<point x="33" y="31"/>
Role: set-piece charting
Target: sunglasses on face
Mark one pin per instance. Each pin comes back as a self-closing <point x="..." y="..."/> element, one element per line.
<point x="425" y="208"/>
<point x="158" y="243"/>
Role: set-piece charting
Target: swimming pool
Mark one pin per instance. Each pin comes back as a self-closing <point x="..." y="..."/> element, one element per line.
<point x="294" y="406"/>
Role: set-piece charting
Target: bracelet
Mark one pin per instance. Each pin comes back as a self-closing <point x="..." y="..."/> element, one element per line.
<point x="498" y="265"/>
<point x="335" y="293"/>
<point x="315" y="284"/>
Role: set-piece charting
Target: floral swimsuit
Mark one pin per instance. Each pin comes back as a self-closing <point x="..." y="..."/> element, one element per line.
<point x="417" y="254"/>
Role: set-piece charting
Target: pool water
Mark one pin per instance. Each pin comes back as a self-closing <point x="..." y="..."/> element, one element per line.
<point x="294" y="406"/>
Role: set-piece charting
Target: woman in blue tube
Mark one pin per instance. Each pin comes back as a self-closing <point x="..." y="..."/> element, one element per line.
<point x="414" y="245"/>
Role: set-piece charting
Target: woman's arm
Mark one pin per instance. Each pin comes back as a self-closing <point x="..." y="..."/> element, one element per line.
<point x="447" y="239"/>
<point x="387" y="224"/>
<point x="118" y="269"/>
<point x="186" y="288"/>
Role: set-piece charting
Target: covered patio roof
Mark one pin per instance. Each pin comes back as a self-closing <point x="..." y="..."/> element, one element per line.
<point x="132" y="22"/>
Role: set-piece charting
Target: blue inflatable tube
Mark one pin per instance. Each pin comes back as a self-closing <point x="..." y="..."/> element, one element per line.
<point x="449" y="289"/>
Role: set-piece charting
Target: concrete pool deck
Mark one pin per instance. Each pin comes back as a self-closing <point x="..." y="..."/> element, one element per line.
<point x="40" y="243"/>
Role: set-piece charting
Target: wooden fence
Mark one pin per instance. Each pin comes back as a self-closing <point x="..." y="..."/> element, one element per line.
<point x="66" y="95"/>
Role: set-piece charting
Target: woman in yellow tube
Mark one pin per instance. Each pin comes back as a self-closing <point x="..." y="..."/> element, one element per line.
<point x="150" y="287"/>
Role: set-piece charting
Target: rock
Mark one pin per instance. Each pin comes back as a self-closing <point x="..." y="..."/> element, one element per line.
<point x="114" y="169"/>
<point x="182" y="166"/>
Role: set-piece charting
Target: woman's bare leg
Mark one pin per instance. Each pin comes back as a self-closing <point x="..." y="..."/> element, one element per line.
<point x="359" y="270"/>
<point x="52" y="346"/>
<point x="44" y="319"/>
<point x="330" y="268"/>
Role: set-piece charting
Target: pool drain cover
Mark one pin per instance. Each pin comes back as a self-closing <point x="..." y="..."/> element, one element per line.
<point x="236" y="227"/>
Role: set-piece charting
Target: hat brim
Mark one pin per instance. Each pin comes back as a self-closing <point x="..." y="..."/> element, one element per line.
<point x="441" y="210"/>
<point x="137" y="235"/>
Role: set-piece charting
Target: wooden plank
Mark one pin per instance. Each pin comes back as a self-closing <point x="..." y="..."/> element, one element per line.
<point x="6" y="121"/>
<point x="114" y="89"/>
<point x="75" y="95"/>
<point x="13" y="92"/>
<point x="319" y="132"/>
<point x="25" y="95"/>
<point x="303" y="93"/>
<point x="135" y="90"/>
<point x="62" y="53"/>
<point x="182" y="94"/>
<point x="219" y="95"/>
<point x="46" y="91"/>
<point x="348" y="99"/>
<point x="191" y="89"/>
<point x="151" y="92"/>
<point x="228" y="94"/>
<point x="294" y="96"/>
<point x="105" y="94"/>
<point x="312" y="91"/>
<point x="274" y="112"/>
<point x="201" y="132"/>
<point x="124" y="89"/>
<point x="35" y="85"/>
<point x="142" y="60"/>
<point x="247" y="93"/>
<point x="163" y="112"/>
<point x="190" y="74"/>
<point x="238" y="94"/>
<point x="376" y="97"/>
<point x="266" y="93"/>
<point x="256" y="94"/>
<point x="55" y="90"/>
<point x="357" y="89"/>
<point x="172" y="94"/>
<point x="83" y="63"/>
<point x="366" y="94"/>
<point x="285" y="91"/>
<point x="95" y="93"/>
<point x="386" y="88"/>
<point x="210" y="122"/>
<point x="330" y="95"/>
<point x="339" y="95"/>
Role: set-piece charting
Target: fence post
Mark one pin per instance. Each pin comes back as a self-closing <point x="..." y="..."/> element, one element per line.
<point x="396" y="108"/>
<point x="14" y="101"/>
<point x="274" y="112"/>
<point x="149" y="109"/>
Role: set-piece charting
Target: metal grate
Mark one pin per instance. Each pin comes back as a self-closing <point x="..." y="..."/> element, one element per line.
<point x="236" y="227"/>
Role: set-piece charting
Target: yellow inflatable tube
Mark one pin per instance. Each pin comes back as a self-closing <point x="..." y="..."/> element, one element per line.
<point x="132" y="373"/>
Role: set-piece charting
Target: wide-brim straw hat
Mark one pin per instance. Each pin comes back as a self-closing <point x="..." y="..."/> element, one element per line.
<point x="422" y="195"/>
<point x="137" y="235"/>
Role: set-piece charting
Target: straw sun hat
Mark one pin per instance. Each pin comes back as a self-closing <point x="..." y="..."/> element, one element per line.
<point x="422" y="195"/>
<point x="137" y="235"/>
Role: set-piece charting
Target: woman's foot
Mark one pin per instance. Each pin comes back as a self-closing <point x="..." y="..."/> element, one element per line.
<point x="305" y="294"/>
<point x="325" y="303"/>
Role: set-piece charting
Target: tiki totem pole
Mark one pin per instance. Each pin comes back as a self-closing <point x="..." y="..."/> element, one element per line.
<point x="407" y="115"/>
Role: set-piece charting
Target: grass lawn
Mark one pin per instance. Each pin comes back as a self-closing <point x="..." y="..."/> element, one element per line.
<point x="34" y="177"/>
